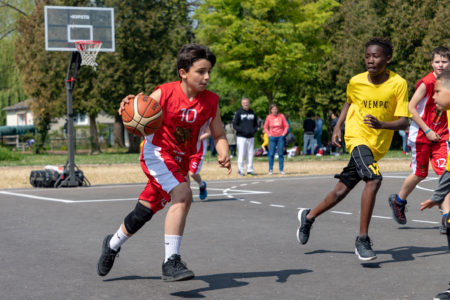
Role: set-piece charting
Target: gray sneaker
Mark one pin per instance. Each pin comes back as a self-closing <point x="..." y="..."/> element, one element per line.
<point x="363" y="248"/>
<point x="305" y="226"/>
<point x="445" y="224"/>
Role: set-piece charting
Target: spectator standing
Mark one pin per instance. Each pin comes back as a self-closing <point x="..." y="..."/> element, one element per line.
<point x="308" y="134"/>
<point x="404" y="135"/>
<point x="276" y="128"/>
<point x="334" y="120"/>
<point x="246" y="124"/>
<point x="318" y="131"/>
<point x="230" y="133"/>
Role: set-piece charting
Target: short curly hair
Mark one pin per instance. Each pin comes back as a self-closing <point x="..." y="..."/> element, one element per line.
<point x="384" y="43"/>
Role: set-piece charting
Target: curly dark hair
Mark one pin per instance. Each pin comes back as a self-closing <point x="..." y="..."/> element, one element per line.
<point x="384" y="43"/>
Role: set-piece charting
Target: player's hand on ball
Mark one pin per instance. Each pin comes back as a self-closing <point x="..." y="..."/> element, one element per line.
<point x="125" y="101"/>
<point x="224" y="162"/>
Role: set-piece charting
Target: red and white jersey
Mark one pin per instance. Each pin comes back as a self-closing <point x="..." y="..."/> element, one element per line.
<point x="184" y="121"/>
<point x="434" y="118"/>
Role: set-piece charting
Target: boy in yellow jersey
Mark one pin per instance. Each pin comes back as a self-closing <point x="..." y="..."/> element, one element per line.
<point x="377" y="104"/>
<point x="441" y="194"/>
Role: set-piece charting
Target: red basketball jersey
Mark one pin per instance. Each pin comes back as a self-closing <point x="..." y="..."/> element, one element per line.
<point x="434" y="118"/>
<point x="184" y="121"/>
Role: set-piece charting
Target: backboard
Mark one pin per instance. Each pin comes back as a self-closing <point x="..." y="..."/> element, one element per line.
<point x="65" y="25"/>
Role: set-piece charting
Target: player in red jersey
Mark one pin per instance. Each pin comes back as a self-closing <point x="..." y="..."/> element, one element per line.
<point x="188" y="110"/>
<point x="196" y="163"/>
<point x="428" y="134"/>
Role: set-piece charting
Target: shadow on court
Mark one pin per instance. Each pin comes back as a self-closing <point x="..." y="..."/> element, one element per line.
<point x="222" y="281"/>
<point x="399" y="254"/>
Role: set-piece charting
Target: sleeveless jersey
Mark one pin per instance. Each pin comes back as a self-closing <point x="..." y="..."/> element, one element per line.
<point x="434" y="118"/>
<point x="184" y="121"/>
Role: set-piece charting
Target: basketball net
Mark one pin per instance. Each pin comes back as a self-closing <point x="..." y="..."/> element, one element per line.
<point x="88" y="51"/>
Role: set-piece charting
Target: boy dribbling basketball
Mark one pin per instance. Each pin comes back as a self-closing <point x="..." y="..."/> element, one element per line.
<point x="188" y="110"/>
<point x="377" y="104"/>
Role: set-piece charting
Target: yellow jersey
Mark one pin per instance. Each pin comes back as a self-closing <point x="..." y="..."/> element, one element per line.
<point x="386" y="102"/>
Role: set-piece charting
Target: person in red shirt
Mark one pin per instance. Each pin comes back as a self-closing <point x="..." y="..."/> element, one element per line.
<point x="188" y="110"/>
<point x="428" y="134"/>
<point x="276" y="128"/>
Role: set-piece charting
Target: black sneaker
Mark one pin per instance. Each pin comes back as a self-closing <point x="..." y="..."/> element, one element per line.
<point x="363" y="248"/>
<point x="305" y="226"/>
<point x="106" y="260"/>
<point x="398" y="210"/>
<point x="443" y="295"/>
<point x="175" y="269"/>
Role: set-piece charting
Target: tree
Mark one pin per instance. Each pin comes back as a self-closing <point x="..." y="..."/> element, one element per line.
<point x="414" y="27"/>
<point x="11" y="91"/>
<point x="265" y="47"/>
<point x="42" y="72"/>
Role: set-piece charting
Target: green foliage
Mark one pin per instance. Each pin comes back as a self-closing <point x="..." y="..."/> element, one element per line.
<point x="265" y="47"/>
<point x="414" y="27"/>
<point x="8" y="155"/>
<point x="42" y="72"/>
<point x="11" y="91"/>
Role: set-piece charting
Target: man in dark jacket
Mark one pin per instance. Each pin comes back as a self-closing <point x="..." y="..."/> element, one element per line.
<point x="245" y="123"/>
<point x="308" y="134"/>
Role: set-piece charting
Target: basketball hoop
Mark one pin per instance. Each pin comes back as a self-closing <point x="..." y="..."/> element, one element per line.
<point x="88" y="51"/>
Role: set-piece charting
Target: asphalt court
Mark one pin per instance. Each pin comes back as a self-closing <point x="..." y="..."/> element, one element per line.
<point x="240" y="243"/>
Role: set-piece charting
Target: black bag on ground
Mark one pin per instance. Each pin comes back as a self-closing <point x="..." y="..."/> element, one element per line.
<point x="44" y="178"/>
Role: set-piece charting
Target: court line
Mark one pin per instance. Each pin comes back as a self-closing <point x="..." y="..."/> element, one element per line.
<point x="229" y="192"/>
<point x="68" y="201"/>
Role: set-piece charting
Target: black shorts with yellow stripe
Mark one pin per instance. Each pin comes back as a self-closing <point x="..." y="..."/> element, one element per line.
<point x="361" y="166"/>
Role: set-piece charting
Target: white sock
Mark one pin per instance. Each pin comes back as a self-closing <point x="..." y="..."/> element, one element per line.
<point x="172" y="245"/>
<point x="200" y="185"/>
<point x="118" y="239"/>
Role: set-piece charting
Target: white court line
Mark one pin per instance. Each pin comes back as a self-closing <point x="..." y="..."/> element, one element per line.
<point x="225" y="192"/>
<point x="235" y="192"/>
<point x="428" y="222"/>
<point x="381" y="217"/>
<point x="36" y="197"/>
<point x="417" y="186"/>
<point x="277" y="205"/>
<point x="340" y="212"/>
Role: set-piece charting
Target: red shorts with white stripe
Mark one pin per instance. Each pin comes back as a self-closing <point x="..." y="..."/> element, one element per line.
<point x="164" y="172"/>
<point x="423" y="154"/>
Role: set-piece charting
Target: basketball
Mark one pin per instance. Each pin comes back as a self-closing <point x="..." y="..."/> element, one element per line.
<point x="142" y="115"/>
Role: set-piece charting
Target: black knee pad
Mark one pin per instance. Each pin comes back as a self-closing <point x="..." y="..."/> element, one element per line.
<point x="137" y="218"/>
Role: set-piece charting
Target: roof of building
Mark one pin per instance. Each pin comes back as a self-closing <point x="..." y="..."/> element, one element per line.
<point x="23" y="105"/>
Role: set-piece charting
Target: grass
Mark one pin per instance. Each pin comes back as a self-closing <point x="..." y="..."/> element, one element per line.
<point x="27" y="159"/>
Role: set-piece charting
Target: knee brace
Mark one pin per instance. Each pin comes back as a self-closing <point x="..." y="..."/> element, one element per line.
<point x="137" y="218"/>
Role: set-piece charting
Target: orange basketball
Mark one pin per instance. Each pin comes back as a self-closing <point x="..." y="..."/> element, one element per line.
<point x="142" y="115"/>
